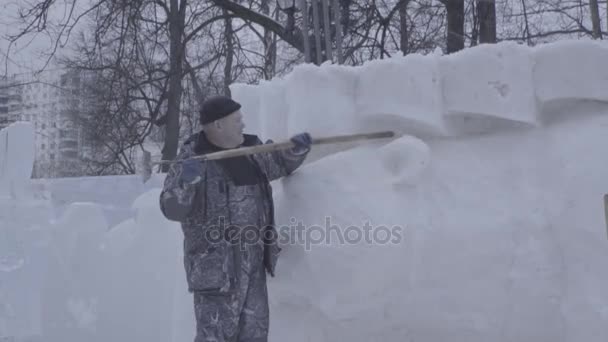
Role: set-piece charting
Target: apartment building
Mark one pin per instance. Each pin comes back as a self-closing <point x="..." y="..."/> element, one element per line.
<point x="46" y="101"/>
<point x="10" y="100"/>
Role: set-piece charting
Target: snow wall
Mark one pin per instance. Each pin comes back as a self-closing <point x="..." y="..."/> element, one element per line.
<point x="483" y="222"/>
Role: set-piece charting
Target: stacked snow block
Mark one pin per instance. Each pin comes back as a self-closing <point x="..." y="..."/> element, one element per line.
<point x="401" y="93"/>
<point x="16" y="159"/>
<point x="581" y="85"/>
<point x="489" y="88"/>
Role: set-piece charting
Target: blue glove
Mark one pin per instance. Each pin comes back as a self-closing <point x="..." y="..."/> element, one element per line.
<point x="191" y="170"/>
<point x="302" y="143"/>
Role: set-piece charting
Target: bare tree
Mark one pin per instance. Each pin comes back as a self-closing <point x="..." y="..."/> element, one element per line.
<point x="403" y="31"/>
<point x="545" y="20"/>
<point x="229" y="53"/>
<point x="455" y="24"/>
<point x="163" y="21"/>
<point x="486" y="12"/>
<point x="595" y="19"/>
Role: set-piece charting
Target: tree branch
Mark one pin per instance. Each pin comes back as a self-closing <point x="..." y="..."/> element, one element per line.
<point x="293" y="38"/>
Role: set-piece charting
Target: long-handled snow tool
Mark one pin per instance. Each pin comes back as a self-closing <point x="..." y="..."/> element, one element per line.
<point x="146" y="167"/>
<point x="606" y="211"/>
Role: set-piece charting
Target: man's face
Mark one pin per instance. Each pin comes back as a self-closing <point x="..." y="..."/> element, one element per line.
<point x="232" y="128"/>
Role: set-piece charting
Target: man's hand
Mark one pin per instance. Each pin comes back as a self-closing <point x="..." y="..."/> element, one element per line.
<point x="302" y="143"/>
<point x="192" y="171"/>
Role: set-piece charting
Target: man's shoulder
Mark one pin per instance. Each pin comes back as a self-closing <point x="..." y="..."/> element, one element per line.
<point x="251" y="140"/>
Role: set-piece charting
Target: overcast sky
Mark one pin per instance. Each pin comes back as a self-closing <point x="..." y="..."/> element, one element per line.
<point x="27" y="54"/>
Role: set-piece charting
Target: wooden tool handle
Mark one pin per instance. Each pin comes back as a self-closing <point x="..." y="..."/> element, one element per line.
<point x="606" y="211"/>
<point x="236" y="152"/>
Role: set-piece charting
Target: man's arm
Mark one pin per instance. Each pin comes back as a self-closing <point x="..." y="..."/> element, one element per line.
<point x="180" y="188"/>
<point x="282" y="163"/>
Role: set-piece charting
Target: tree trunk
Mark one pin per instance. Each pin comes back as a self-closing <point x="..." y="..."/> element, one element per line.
<point x="317" y="29"/>
<point x="486" y="12"/>
<point x="269" y="46"/>
<point x="229" y="54"/>
<point x="527" y="25"/>
<point x="337" y="14"/>
<point x="177" y="14"/>
<point x="404" y="39"/>
<point x="595" y="19"/>
<point x="305" y="30"/>
<point x="455" y="36"/>
<point x="474" y="25"/>
<point x="327" y="30"/>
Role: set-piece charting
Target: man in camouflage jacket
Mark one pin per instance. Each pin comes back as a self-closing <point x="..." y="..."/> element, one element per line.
<point x="226" y="211"/>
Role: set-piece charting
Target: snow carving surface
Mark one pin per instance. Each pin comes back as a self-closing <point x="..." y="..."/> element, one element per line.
<point x="403" y="93"/>
<point x="273" y="111"/>
<point x="329" y="273"/>
<point x="486" y="254"/>
<point x="489" y="88"/>
<point x="320" y="100"/>
<point x="16" y="158"/>
<point x="406" y="159"/>
<point x="571" y="70"/>
<point x="249" y="98"/>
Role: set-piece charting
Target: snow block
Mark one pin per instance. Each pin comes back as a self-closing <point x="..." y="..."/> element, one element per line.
<point x="273" y="110"/>
<point x="488" y="88"/>
<point x="570" y="79"/>
<point x="320" y="99"/>
<point x="17" y="151"/>
<point x="143" y="255"/>
<point x="249" y="98"/>
<point x="401" y="93"/>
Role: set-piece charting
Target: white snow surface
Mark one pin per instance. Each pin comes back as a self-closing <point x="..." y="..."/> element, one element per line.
<point x="501" y="89"/>
<point x="482" y="222"/>
<point x="401" y="92"/>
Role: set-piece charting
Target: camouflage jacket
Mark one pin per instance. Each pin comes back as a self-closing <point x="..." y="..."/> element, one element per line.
<point x="208" y="208"/>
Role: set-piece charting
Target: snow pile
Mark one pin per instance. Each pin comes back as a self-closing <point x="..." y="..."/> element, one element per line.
<point x="439" y="234"/>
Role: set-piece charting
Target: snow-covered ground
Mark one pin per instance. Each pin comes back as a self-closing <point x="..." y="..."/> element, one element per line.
<point x="483" y="222"/>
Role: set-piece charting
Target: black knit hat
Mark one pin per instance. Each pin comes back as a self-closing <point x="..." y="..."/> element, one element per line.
<point x="217" y="107"/>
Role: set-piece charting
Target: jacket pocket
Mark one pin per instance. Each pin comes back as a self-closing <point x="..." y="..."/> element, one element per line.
<point x="211" y="271"/>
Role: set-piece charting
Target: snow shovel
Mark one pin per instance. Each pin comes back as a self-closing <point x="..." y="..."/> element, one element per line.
<point x="606" y="211"/>
<point x="146" y="168"/>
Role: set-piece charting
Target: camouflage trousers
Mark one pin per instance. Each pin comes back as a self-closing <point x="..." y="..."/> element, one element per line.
<point x="242" y="316"/>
